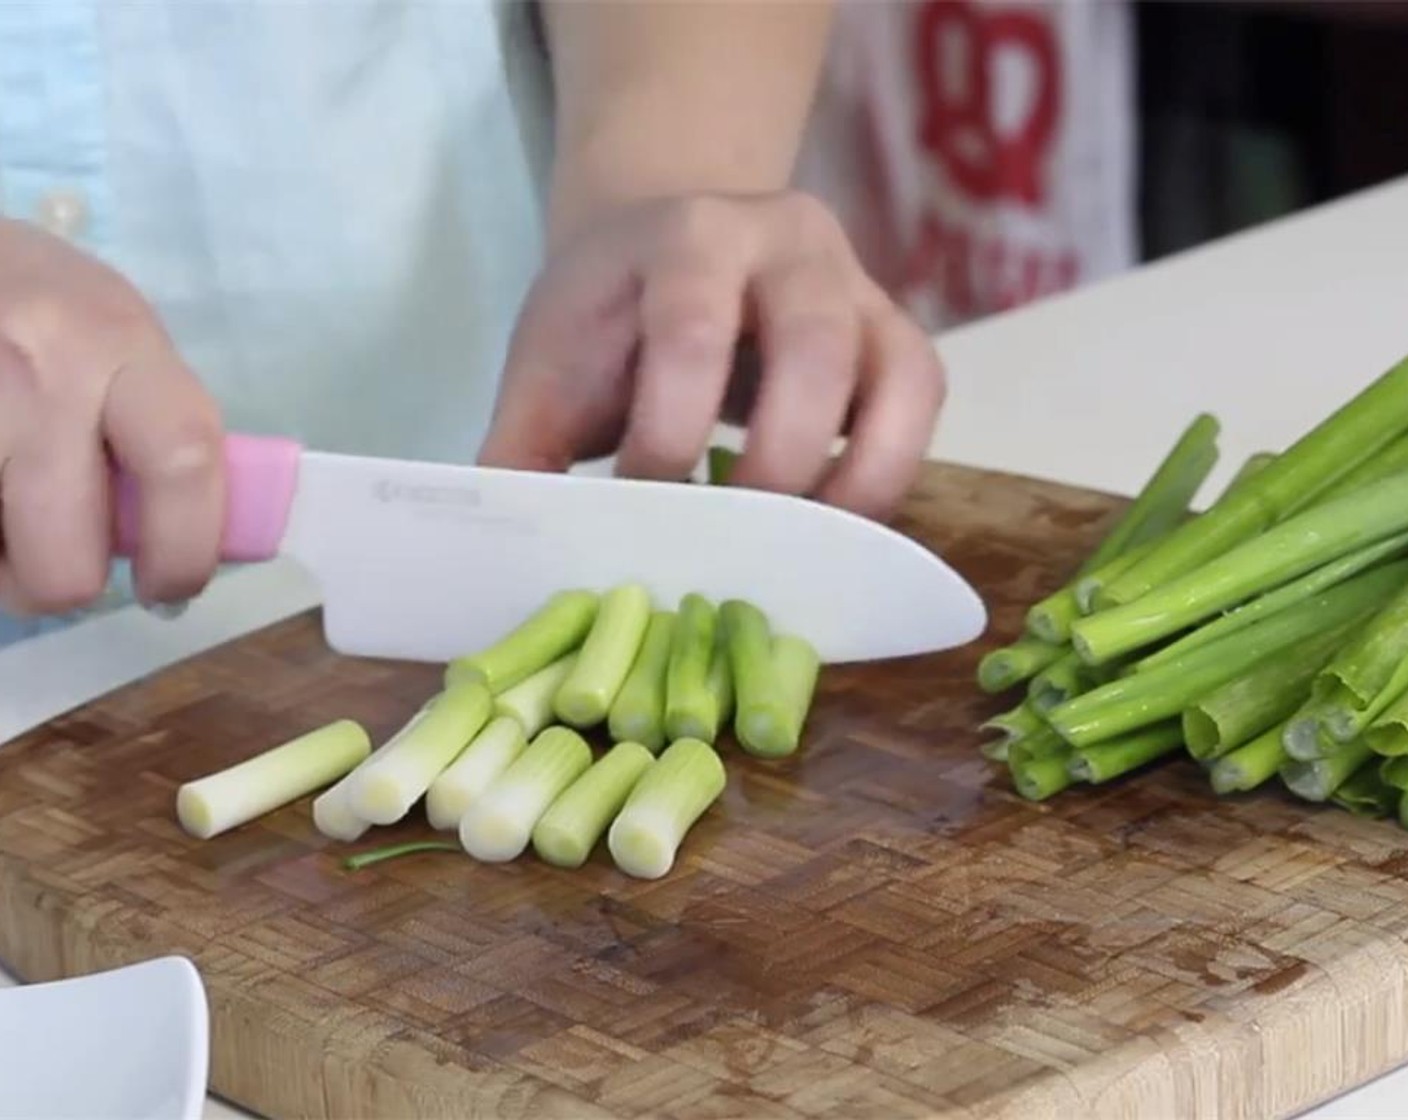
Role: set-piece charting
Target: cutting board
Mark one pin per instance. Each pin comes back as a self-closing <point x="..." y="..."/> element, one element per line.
<point x="877" y="927"/>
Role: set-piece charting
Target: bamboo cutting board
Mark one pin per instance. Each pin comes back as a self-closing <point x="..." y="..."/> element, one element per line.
<point x="876" y="928"/>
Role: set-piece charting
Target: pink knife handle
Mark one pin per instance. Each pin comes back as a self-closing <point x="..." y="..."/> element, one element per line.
<point x="261" y="475"/>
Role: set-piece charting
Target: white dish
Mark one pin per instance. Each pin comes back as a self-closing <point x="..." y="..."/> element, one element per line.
<point x="130" y="1043"/>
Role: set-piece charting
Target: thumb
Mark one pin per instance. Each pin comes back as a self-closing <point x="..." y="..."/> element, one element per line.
<point x="565" y="387"/>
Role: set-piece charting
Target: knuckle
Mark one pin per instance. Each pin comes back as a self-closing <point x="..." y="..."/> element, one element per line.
<point x="59" y="588"/>
<point x="701" y="222"/>
<point x="689" y="323"/>
<point x="660" y="452"/>
<point x="192" y="456"/>
<point x="811" y="219"/>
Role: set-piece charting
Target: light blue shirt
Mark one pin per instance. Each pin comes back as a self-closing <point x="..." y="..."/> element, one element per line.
<point x="333" y="205"/>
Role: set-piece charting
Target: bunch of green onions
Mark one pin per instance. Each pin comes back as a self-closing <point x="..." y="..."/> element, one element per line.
<point x="1266" y="635"/>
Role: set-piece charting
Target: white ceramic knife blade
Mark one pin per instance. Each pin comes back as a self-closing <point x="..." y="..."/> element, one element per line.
<point x="427" y="561"/>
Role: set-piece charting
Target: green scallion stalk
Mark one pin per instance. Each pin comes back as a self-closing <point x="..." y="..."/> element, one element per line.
<point x="1001" y="669"/>
<point x="1267" y="694"/>
<point x="691" y="706"/>
<point x="773" y="679"/>
<point x="1164" y="499"/>
<point x="1313" y="582"/>
<point x="720" y="465"/>
<point x="1042" y="743"/>
<point x="645" y="838"/>
<point x="1116" y="757"/>
<point x="385" y="787"/>
<point x="995" y="750"/>
<point x="1139" y="699"/>
<point x="1394" y="771"/>
<point x="637" y="714"/>
<point x="1042" y="776"/>
<point x="1294" y="480"/>
<point x="530" y="700"/>
<point x="584" y="699"/>
<point x="566" y="834"/>
<point x="1403" y="811"/>
<point x="498" y="825"/>
<point x="218" y="802"/>
<point x="1159" y="505"/>
<point x="1252" y="764"/>
<point x="1368" y="673"/>
<point x="1055" y="685"/>
<point x="396" y="851"/>
<point x="1388" y="734"/>
<point x="1015" y="723"/>
<point x="479" y="765"/>
<point x="1297" y="545"/>
<point x="1391" y="460"/>
<point x="1365" y="794"/>
<point x="556" y="628"/>
<point x="1088" y="587"/>
<point x="1318" y="779"/>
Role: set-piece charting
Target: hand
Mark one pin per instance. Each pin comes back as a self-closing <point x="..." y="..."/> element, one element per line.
<point x="88" y="378"/>
<point x="627" y="344"/>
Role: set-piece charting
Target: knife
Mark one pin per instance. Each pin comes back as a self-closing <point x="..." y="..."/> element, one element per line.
<point x="423" y="561"/>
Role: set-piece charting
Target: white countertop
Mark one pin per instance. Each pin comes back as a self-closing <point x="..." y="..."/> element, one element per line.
<point x="1269" y="330"/>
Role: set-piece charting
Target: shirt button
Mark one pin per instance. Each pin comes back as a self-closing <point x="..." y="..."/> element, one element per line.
<point x="62" y="212"/>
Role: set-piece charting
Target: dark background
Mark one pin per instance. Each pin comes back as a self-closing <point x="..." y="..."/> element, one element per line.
<point x="1252" y="109"/>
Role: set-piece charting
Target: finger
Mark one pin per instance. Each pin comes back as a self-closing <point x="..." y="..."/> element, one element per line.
<point x="164" y="432"/>
<point x="809" y="331"/>
<point x="690" y="315"/>
<point x="565" y="377"/>
<point x="54" y="544"/>
<point x="902" y="391"/>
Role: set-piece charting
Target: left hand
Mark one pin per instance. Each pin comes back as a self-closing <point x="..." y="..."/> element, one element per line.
<point x="628" y="344"/>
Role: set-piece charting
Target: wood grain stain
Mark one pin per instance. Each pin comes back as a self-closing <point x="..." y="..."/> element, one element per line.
<point x="876" y="927"/>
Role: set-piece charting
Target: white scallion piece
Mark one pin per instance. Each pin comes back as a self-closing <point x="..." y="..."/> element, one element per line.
<point x="488" y="755"/>
<point x="663" y="806"/>
<point x="530" y="701"/>
<point x="384" y="788"/>
<point x="229" y="798"/>
<point x="498" y="825"/>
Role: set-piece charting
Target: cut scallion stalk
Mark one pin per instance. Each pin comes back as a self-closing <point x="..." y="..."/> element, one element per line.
<point x="1394" y="771"/>
<point x="773" y="680"/>
<point x="1368" y="673"/>
<point x="1002" y="668"/>
<point x="566" y="834"/>
<point x="385" y="787"/>
<point x="691" y="705"/>
<point x="530" y="700"/>
<point x="1320" y="579"/>
<point x="478" y="766"/>
<point x="638" y="712"/>
<point x="1039" y="777"/>
<point x="553" y="630"/>
<point x="1015" y="723"/>
<point x="1250" y="765"/>
<point x="1318" y="779"/>
<point x="1318" y="535"/>
<point x="497" y="826"/>
<point x="1265" y="695"/>
<point x="665" y="803"/>
<point x="605" y="658"/>
<point x="1365" y="793"/>
<point x="216" y="803"/>
<point x="720" y="465"/>
<point x="1116" y="757"/>
<point x="1388" y="734"/>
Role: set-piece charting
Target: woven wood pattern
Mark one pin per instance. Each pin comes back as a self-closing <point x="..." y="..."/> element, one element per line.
<point x="877" y="928"/>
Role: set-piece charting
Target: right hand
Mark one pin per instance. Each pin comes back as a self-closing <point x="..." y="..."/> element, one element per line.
<point x="89" y="380"/>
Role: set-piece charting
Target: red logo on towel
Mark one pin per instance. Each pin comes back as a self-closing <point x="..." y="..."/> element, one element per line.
<point x="957" y="43"/>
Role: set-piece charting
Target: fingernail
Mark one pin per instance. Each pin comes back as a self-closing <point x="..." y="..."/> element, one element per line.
<point x="167" y="610"/>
